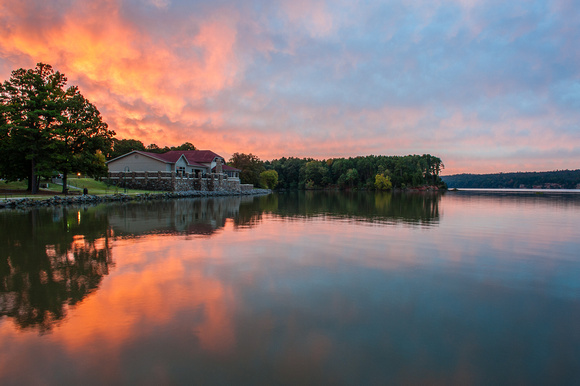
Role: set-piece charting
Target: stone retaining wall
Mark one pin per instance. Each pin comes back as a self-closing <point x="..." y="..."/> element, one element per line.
<point x="246" y="187"/>
<point x="21" y="203"/>
<point x="172" y="182"/>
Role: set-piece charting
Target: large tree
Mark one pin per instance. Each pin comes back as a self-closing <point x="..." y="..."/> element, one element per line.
<point x="81" y="138"/>
<point x="124" y="146"/>
<point x="45" y="128"/>
<point x="250" y="166"/>
<point x="30" y="106"/>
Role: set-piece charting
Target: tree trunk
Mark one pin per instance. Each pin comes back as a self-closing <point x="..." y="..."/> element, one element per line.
<point x="64" y="181"/>
<point x="34" y="187"/>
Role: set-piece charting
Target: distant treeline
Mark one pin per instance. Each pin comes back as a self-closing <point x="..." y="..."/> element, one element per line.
<point x="559" y="179"/>
<point x="358" y="172"/>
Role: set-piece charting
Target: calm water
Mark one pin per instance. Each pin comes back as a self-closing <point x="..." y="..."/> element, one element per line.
<point x="316" y="288"/>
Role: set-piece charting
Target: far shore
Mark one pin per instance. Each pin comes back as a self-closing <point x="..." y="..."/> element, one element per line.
<point x="513" y="190"/>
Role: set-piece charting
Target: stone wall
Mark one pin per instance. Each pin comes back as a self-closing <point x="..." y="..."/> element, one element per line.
<point x="170" y="182"/>
<point x="246" y="187"/>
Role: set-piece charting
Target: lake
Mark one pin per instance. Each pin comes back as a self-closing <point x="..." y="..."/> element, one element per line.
<point x="294" y="288"/>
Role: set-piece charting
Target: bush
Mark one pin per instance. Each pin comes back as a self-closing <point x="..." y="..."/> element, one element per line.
<point x="383" y="182"/>
<point x="269" y="179"/>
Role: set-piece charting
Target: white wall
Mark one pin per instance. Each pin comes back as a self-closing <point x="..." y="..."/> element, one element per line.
<point x="181" y="163"/>
<point x="138" y="163"/>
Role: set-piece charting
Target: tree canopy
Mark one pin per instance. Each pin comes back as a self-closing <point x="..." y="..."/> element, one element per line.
<point x="269" y="179"/>
<point x="46" y="128"/>
<point x="124" y="146"/>
<point x="383" y="182"/>
<point x="358" y="172"/>
<point x="250" y="165"/>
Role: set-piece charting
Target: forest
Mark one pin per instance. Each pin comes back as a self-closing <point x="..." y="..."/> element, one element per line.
<point x="559" y="179"/>
<point x="364" y="172"/>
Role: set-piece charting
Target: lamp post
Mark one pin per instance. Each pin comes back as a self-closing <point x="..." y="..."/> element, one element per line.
<point x="125" y="178"/>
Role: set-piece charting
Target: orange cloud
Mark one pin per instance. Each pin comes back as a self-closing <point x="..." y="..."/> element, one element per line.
<point x="120" y="66"/>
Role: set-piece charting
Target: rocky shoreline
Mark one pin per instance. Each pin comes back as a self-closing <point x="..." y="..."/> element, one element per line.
<point x="16" y="203"/>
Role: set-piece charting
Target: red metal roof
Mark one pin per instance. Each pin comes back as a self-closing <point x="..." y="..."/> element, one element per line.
<point x="230" y="168"/>
<point x="227" y="168"/>
<point x="152" y="155"/>
<point x="193" y="157"/>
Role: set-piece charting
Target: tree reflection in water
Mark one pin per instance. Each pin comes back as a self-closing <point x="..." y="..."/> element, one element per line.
<point x="50" y="260"/>
<point x="414" y="208"/>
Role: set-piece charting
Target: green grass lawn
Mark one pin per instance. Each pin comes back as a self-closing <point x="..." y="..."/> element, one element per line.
<point x="13" y="185"/>
<point x="94" y="187"/>
<point x="99" y="187"/>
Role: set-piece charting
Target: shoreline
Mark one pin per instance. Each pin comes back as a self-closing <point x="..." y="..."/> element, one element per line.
<point x="26" y="202"/>
<point x="514" y="190"/>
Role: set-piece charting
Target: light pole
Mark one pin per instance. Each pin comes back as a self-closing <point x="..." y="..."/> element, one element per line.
<point x="125" y="178"/>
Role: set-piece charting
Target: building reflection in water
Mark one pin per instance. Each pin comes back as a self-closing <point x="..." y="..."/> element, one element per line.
<point x="200" y="216"/>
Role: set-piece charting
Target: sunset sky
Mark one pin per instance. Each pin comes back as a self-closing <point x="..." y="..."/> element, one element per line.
<point x="487" y="86"/>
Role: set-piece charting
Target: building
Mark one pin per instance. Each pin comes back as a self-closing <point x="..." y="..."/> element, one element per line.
<point x="174" y="170"/>
<point x="193" y="162"/>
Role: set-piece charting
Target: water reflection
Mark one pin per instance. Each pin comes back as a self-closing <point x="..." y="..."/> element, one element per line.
<point x="53" y="258"/>
<point x="421" y="209"/>
<point x="205" y="216"/>
<point x="299" y="289"/>
<point x="50" y="260"/>
<point x="199" y="216"/>
<point x="552" y="198"/>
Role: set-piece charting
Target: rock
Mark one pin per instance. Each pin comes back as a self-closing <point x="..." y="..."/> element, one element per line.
<point x="22" y="203"/>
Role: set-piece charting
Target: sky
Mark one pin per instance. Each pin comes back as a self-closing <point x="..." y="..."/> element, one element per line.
<point x="487" y="86"/>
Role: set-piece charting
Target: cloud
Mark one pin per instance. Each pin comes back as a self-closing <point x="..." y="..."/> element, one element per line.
<point x="319" y="78"/>
<point x="108" y="54"/>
